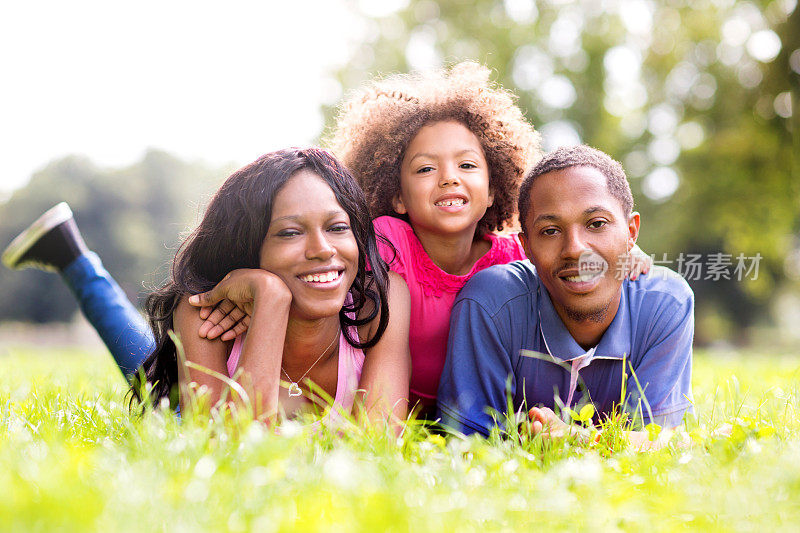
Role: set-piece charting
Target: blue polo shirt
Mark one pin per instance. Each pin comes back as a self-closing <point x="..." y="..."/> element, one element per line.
<point x="504" y="330"/>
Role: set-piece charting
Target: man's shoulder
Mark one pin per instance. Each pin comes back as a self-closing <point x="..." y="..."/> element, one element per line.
<point x="497" y="285"/>
<point x="661" y="283"/>
<point x="661" y="297"/>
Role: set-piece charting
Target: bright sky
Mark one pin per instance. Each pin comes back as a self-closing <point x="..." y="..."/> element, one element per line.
<point x="218" y="81"/>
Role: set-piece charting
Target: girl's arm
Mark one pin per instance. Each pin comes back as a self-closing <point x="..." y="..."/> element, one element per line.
<point x="383" y="389"/>
<point x="640" y="263"/>
<point x="266" y="299"/>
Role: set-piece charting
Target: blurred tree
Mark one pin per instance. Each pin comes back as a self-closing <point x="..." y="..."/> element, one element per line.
<point x="130" y="216"/>
<point x="693" y="96"/>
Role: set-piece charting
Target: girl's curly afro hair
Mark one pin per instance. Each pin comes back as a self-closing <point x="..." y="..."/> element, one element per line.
<point x="376" y="124"/>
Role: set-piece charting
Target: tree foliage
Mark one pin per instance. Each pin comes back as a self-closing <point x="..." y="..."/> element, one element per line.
<point x="131" y="216"/>
<point x="697" y="98"/>
<point x="693" y="96"/>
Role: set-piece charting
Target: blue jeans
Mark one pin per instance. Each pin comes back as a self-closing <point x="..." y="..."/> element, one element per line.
<point x="122" y="328"/>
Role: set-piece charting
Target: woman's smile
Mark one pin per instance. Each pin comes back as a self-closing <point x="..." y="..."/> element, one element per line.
<point x="324" y="279"/>
<point x="311" y="246"/>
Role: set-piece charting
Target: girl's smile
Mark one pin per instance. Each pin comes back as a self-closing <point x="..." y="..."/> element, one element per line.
<point x="452" y="203"/>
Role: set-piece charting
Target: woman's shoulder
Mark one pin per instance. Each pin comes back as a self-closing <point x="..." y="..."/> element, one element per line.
<point x="185" y="314"/>
<point x="186" y="321"/>
<point x="398" y="302"/>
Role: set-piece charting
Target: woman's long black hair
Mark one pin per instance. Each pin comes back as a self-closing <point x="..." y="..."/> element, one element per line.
<point x="230" y="237"/>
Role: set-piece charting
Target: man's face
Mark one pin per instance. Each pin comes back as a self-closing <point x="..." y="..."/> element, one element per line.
<point x="573" y="217"/>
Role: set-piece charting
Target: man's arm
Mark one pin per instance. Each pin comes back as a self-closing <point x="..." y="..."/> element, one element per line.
<point x="545" y="422"/>
<point x="476" y="370"/>
<point x="659" y="385"/>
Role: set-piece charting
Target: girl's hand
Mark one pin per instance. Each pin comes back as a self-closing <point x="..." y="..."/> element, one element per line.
<point x="640" y="263"/>
<point x="236" y="294"/>
<point x="231" y="320"/>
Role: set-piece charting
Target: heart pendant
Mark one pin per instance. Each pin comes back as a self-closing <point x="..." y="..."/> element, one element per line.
<point x="294" y="389"/>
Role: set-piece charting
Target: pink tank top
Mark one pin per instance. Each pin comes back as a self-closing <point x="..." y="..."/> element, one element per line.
<point x="351" y="362"/>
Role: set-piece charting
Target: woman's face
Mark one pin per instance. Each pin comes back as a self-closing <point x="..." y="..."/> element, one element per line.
<point x="310" y="246"/>
<point x="444" y="180"/>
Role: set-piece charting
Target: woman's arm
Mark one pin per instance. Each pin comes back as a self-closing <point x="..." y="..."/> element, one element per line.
<point x="383" y="389"/>
<point x="208" y="354"/>
<point x="266" y="299"/>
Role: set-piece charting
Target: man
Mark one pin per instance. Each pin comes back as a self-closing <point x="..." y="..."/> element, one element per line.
<point x="566" y="328"/>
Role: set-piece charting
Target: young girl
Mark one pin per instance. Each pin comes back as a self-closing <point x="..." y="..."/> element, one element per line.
<point x="440" y="157"/>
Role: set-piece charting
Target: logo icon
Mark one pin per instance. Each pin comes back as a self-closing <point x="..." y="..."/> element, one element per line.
<point x="591" y="265"/>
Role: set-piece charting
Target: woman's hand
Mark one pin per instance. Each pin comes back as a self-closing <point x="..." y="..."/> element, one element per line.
<point x="228" y="307"/>
<point x="266" y="298"/>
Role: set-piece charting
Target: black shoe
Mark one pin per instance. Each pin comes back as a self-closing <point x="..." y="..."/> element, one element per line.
<point x="52" y="242"/>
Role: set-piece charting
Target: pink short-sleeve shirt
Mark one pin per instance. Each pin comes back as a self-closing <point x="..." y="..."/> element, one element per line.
<point x="433" y="292"/>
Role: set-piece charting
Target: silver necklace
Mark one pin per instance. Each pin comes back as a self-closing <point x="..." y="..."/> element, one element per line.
<point x="294" y="388"/>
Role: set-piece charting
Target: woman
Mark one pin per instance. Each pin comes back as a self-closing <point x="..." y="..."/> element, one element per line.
<point x="290" y="234"/>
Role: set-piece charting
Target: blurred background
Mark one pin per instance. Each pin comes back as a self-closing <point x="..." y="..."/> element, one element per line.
<point x="135" y="113"/>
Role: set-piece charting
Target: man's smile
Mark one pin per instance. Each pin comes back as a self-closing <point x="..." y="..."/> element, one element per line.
<point x="579" y="282"/>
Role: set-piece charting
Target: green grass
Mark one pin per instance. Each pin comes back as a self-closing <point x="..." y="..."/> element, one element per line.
<point x="72" y="458"/>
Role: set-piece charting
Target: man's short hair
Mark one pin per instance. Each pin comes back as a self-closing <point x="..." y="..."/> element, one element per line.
<point x="578" y="156"/>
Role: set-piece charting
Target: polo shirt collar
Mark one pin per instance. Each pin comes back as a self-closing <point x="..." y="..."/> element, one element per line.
<point x="615" y="343"/>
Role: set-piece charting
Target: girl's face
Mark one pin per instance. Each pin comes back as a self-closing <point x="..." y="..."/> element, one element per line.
<point x="310" y="246"/>
<point x="444" y="180"/>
